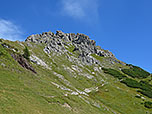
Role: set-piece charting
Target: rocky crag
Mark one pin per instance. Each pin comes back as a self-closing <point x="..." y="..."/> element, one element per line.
<point x="80" y="44"/>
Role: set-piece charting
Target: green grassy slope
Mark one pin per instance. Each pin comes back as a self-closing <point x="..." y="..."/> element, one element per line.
<point x="50" y="90"/>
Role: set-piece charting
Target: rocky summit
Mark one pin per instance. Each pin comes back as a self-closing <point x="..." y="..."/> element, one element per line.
<point x="67" y="73"/>
<point x="80" y="44"/>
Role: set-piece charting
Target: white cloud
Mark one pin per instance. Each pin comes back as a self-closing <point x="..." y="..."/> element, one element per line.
<point x="81" y="9"/>
<point x="10" y="31"/>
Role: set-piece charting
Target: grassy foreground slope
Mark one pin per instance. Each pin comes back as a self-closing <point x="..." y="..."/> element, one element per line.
<point x="64" y="87"/>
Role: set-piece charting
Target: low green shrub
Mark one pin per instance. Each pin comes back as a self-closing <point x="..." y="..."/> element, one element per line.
<point x="136" y="72"/>
<point x="1" y="53"/>
<point x="148" y="104"/>
<point x="131" y="83"/>
<point x="146" y="93"/>
<point x="26" y="53"/>
<point x="146" y="88"/>
<point x="138" y="96"/>
<point x="114" y="73"/>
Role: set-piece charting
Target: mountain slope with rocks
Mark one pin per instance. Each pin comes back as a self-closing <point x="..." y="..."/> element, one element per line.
<point x="67" y="73"/>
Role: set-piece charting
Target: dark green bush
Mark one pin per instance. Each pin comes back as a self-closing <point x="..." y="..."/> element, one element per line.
<point x="26" y="53"/>
<point x="1" y="53"/>
<point x="146" y="93"/>
<point x="148" y="104"/>
<point x="131" y="83"/>
<point x="114" y="73"/>
<point x="136" y="72"/>
<point x="146" y="88"/>
<point x="138" y="96"/>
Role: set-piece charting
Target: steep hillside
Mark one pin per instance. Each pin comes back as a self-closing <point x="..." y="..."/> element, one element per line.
<point x="66" y="73"/>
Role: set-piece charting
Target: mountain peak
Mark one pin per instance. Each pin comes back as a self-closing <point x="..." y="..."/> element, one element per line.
<point x="79" y="43"/>
<point x="45" y="36"/>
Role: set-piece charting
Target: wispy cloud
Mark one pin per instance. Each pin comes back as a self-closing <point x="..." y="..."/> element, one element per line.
<point x="81" y="9"/>
<point x="10" y="31"/>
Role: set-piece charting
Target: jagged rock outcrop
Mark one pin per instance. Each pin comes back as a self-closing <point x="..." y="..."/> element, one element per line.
<point x="81" y="44"/>
<point x="23" y="62"/>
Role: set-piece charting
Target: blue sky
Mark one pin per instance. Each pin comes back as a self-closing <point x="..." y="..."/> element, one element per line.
<point x="122" y="26"/>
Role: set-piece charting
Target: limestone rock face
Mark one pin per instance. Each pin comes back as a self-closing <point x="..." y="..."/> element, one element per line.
<point x="81" y="44"/>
